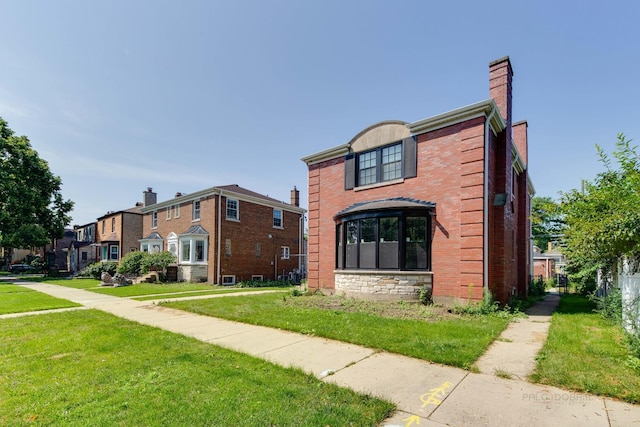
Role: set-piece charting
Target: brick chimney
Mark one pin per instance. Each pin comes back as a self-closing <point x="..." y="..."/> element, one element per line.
<point x="520" y="140"/>
<point x="149" y="197"/>
<point x="500" y="78"/>
<point x="295" y="197"/>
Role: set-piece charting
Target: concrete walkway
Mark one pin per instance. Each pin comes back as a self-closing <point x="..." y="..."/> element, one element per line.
<point x="426" y="394"/>
<point x="513" y="354"/>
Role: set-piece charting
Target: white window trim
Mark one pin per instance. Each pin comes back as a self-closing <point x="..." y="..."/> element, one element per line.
<point x="229" y="279"/>
<point x="169" y="212"/>
<point x="281" y="226"/>
<point x="237" y="217"/>
<point x="285" y="252"/>
<point x="176" y="211"/>
<point x="150" y="243"/>
<point x="154" y="220"/>
<point x="117" y="252"/>
<point x="194" y="210"/>
<point x="192" y="250"/>
<point x="257" y="277"/>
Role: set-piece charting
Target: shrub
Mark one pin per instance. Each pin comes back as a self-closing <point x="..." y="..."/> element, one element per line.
<point x="609" y="306"/>
<point x="132" y="263"/>
<point x="158" y="261"/>
<point x="537" y="287"/>
<point x="96" y="269"/>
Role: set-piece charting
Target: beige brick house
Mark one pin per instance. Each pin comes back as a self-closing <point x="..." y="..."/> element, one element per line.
<point x="226" y="234"/>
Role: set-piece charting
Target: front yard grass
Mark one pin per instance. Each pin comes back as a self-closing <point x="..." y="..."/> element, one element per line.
<point x="17" y="299"/>
<point x="91" y="368"/>
<point x="451" y="339"/>
<point x="587" y="353"/>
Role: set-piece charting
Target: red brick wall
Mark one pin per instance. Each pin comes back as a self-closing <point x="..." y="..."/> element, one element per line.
<point x="254" y="226"/>
<point x="450" y="173"/>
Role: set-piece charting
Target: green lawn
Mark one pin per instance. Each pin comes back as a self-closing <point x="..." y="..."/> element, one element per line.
<point x="17" y="299"/>
<point x="586" y="353"/>
<point x="88" y="368"/>
<point x="455" y="341"/>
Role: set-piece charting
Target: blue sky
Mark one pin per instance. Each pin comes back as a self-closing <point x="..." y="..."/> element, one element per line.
<point x="119" y="96"/>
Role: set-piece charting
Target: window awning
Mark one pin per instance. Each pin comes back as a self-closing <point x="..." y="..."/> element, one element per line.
<point x="394" y="203"/>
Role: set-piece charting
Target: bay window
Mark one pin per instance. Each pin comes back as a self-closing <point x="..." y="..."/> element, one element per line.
<point x="385" y="239"/>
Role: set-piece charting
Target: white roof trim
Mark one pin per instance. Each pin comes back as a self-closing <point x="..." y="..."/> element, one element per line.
<point x="226" y="193"/>
<point x="485" y="108"/>
<point x="329" y="154"/>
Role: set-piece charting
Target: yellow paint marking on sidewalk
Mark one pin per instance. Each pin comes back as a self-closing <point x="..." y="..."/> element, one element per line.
<point x="413" y="419"/>
<point x="434" y="396"/>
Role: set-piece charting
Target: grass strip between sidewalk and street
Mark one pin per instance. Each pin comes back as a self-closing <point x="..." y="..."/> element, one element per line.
<point x="587" y="353"/>
<point x="18" y="299"/>
<point x="457" y="341"/>
<point x="91" y="368"/>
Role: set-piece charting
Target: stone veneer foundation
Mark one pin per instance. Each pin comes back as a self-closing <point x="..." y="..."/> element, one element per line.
<point x="193" y="273"/>
<point x="392" y="285"/>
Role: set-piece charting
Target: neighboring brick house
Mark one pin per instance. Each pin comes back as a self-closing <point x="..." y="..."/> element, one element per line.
<point x="82" y="250"/>
<point x="118" y="232"/>
<point x="443" y="202"/>
<point x="226" y="234"/>
<point x="549" y="264"/>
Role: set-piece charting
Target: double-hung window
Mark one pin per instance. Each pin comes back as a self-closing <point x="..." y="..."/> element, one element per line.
<point x="382" y="164"/>
<point x="154" y="219"/>
<point x="379" y="165"/>
<point x="284" y="252"/>
<point x="277" y="218"/>
<point x="232" y="209"/>
<point x="114" y="253"/>
<point x="196" y="210"/>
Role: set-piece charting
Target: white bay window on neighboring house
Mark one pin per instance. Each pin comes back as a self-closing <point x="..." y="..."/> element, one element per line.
<point x="193" y="245"/>
<point x="153" y="243"/>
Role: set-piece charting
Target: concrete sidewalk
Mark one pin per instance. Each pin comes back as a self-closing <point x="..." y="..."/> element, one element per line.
<point x="425" y="393"/>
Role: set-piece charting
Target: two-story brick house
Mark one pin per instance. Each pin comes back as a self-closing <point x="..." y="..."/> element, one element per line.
<point x="443" y="203"/>
<point x="226" y="234"/>
<point x="117" y="233"/>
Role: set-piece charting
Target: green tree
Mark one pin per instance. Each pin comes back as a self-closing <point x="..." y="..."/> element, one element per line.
<point x="603" y="219"/>
<point x="546" y="221"/>
<point x="32" y="209"/>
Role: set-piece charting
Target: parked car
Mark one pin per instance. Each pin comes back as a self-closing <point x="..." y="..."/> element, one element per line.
<point x="19" y="268"/>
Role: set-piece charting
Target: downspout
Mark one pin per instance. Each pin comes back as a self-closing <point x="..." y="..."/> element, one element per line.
<point x="485" y="231"/>
<point x="300" y="244"/>
<point x="218" y="281"/>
